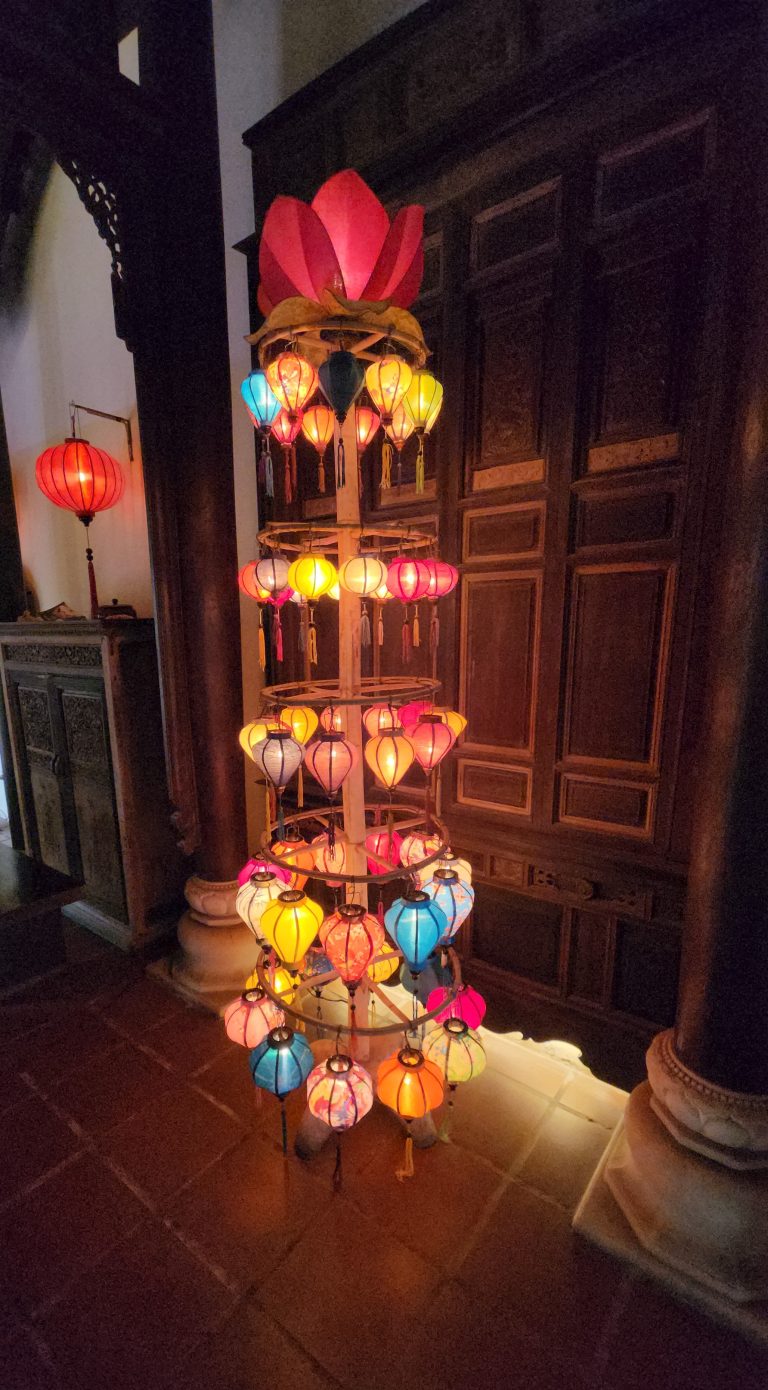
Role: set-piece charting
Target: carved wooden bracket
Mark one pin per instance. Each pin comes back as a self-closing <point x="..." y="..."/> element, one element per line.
<point x="101" y="203"/>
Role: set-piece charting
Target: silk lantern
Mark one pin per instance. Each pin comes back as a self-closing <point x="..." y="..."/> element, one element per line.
<point x="456" y="899"/>
<point x="300" y="719"/>
<point x="389" y="756"/>
<point x="292" y="380"/>
<point x="398" y="431"/>
<point x="247" y="1020"/>
<point x="249" y="584"/>
<point x="410" y="713"/>
<point x="351" y="938"/>
<point x="339" y="1092"/>
<point x="443" y="577"/>
<point x="416" y="925"/>
<point x="423" y="401"/>
<point x="272" y="573"/>
<point x="378" y="718"/>
<point x="411" y="1086"/>
<point x="456" y="1051"/>
<point x="387" y="379"/>
<point x="297" y="856"/>
<point x="256" y="731"/>
<point x="285" y="429"/>
<point x="465" y="1004"/>
<point x="332" y="719"/>
<point x="278" y="757"/>
<point x="253" y="865"/>
<point x="367" y="422"/>
<point x="362" y="575"/>
<point x="448" y="860"/>
<point x="279" y="1064"/>
<point x="384" y="967"/>
<point x="255" y="894"/>
<point x="455" y="721"/>
<point x="330" y="759"/>
<point x="407" y="579"/>
<point x="263" y="407"/>
<point x="385" y="844"/>
<point x="341" y="380"/>
<point x="85" y="480"/>
<point x="418" y="846"/>
<point x="290" y="925"/>
<point x="330" y="858"/>
<point x="312" y="576"/>
<point x="281" y="982"/>
<point x="317" y="427"/>
<point x="431" y="740"/>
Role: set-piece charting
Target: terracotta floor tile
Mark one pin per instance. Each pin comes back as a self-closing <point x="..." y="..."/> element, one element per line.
<point x="564" y="1157"/>
<point x="170" y="1140"/>
<point x="132" y="1317"/>
<point x="252" y="1350"/>
<point x="61" y="1227"/>
<point x="32" y="1140"/>
<point x="141" y="1005"/>
<point x="228" y="1080"/>
<point x="595" y="1100"/>
<point x="659" y="1343"/>
<point x="537" y="1070"/>
<point x="62" y="1044"/>
<point x="189" y="1040"/>
<point x="21" y="1366"/>
<point x="18" y="1016"/>
<point x="111" y="1087"/>
<point x="495" y="1117"/>
<point x="79" y="982"/>
<point x="527" y="1262"/>
<point x="246" y="1209"/>
<point x="12" y="1088"/>
<point x="435" y="1211"/>
<point x="345" y="1291"/>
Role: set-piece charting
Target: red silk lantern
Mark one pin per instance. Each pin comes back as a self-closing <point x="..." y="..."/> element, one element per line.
<point x="82" y="479"/>
<point x="411" y="713"/>
<point x="442" y="578"/>
<point x="367" y="421"/>
<point x="407" y="579"/>
<point x="330" y="758"/>
<point x="285" y="429"/>
<point x="250" y="585"/>
<point x="431" y="740"/>
<point x="351" y="937"/>
<point x="386" y="845"/>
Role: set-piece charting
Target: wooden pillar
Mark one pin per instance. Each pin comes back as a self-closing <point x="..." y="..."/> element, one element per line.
<point x="348" y="511"/>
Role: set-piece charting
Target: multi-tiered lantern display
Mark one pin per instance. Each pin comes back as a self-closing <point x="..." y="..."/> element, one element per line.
<point x="336" y="280"/>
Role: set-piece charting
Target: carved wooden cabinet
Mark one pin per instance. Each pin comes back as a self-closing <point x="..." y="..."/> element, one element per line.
<point x="581" y="229"/>
<point x="83" y="708"/>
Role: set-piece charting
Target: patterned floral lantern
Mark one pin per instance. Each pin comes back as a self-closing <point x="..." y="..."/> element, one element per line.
<point x="292" y="380"/>
<point x="466" y="1004"/>
<point x="248" y="1019"/>
<point x="290" y="925"/>
<point x="456" y="1051"/>
<point x="418" y="846"/>
<point x="454" y="897"/>
<point x="340" y="1092"/>
<point x="351" y="938"/>
<point x="416" y="925"/>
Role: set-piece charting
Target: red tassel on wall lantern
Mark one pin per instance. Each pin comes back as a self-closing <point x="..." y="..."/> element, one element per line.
<point x="82" y="479"/>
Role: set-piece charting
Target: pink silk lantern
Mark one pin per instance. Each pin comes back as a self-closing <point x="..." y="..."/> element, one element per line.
<point x="386" y="844"/>
<point x="351" y="938"/>
<point x="249" y="1018"/>
<point x="443" y="578"/>
<point x="410" y="714"/>
<point x="407" y="579"/>
<point x="418" y="846"/>
<point x="467" y="1005"/>
<point x="340" y="1092"/>
<point x="330" y="759"/>
<point x="259" y="866"/>
<point x="431" y="740"/>
<point x="332" y="720"/>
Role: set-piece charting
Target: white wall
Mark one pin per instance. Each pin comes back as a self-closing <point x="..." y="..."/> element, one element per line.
<point x="265" y="50"/>
<point x="60" y="344"/>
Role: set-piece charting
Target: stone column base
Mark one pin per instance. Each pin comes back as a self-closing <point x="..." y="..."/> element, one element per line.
<point x="216" y="951"/>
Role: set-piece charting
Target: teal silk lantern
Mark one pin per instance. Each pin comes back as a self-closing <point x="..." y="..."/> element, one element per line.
<point x="263" y="407"/>
<point x="454" y="897"/>
<point x="280" y="1064"/>
<point x="416" y="924"/>
<point x="341" y="381"/>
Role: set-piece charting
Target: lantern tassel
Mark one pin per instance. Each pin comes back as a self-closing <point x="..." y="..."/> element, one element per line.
<point x="416" y="628"/>
<point x="262" y="645"/>
<point x="267" y="810"/>
<point x="386" y="465"/>
<point x="284" y="1126"/>
<point x="407" y="1169"/>
<point x="341" y="464"/>
<point x="280" y="821"/>
<point x="278" y="636"/>
<point x="287" y="477"/>
<point x="92" y="583"/>
<point x="365" y="628"/>
<point x="337" y="1176"/>
<point x="293" y="469"/>
<point x="269" y="472"/>
<point x="420" y="465"/>
<point x="332" y="833"/>
<point x="312" y="644"/>
<point x="300" y="789"/>
<point x="321" y="473"/>
<point x="406" y="640"/>
<point x="380" y="909"/>
<point x="302" y="633"/>
<point x="380" y="626"/>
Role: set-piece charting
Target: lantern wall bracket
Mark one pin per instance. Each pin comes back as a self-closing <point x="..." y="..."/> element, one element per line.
<point x="104" y="415"/>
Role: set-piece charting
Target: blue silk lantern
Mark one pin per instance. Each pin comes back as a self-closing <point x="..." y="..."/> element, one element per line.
<point x="280" y="1064"/>
<point x="416" y="924"/>
<point x="263" y="407"/>
<point x="341" y="381"/>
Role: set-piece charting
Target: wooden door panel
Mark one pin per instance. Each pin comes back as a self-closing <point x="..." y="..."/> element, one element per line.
<point x="36" y="747"/>
<point x="620" y="635"/>
<point x="500" y="618"/>
<point x="507" y="407"/>
<point x="84" y="718"/>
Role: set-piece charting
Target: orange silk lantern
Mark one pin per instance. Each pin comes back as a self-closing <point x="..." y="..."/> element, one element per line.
<point x="366" y="424"/>
<point x="388" y="380"/>
<point x="332" y="720"/>
<point x="378" y="718"/>
<point x="389" y="756"/>
<point x="292" y="380"/>
<point x="317" y="427"/>
<point x="411" y="1086"/>
<point x="351" y="938"/>
<point x="250" y="585"/>
<point x="330" y="858"/>
<point x="398" y="431"/>
<point x="295" y="855"/>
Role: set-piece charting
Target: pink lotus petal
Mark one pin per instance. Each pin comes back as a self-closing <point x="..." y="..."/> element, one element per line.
<point x="296" y="251"/>
<point x="401" y="256"/>
<point x="357" y="225"/>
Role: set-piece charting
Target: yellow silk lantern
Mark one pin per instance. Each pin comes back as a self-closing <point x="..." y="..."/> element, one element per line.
<point x="455" y="721"/>
<point x="312" y="576"/>
<point x="382" y="594"/>
<point x="290" y="925"/>
<point x="362" y="575"/>
<point x="388" y="380"/>
<point x="424" y="399"/>
<point x="383" y="969"/>
<point x="281" y="981"/>
<point x="257" y="731"/>
<point x="389" y="756"/>
<point x="335" y="591"/>
<point x="301" y="720"/>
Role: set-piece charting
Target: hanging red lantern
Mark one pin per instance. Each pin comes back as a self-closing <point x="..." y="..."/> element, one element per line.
<point x="367" y="422"/>
<point x="443" y="578"/>
<point x="385" y="844"/>
<point x="250" y="585"/>
<point x="285" y="429"/>
<point x="82" y="479"/>
<point x="431" y="740"/>
<point x="410" y="714"/>
<point x="407" y="579"/>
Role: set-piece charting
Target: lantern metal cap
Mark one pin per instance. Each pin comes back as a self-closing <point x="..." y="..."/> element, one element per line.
<point x="291" y="895"/>
<point x="410" y="1057"/>
<point x="339" y="1064"/>
<point x="352" y="912"/>
<point x="446" y="875"/>
<point x="415" y="895"/>
<point x="280" y="1037"/>
<point x="254" y="995"/>
<point x="457" y="1026"/>
<point x="261" y="875"/>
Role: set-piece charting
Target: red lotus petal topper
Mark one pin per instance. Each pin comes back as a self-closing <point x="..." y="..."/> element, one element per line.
<point x="343" y="242"/>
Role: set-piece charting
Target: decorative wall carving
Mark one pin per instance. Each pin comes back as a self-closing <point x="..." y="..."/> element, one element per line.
<point x="45" y="654"/>
<point x="84" y="728"/>
<point x="36" y="719"/>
